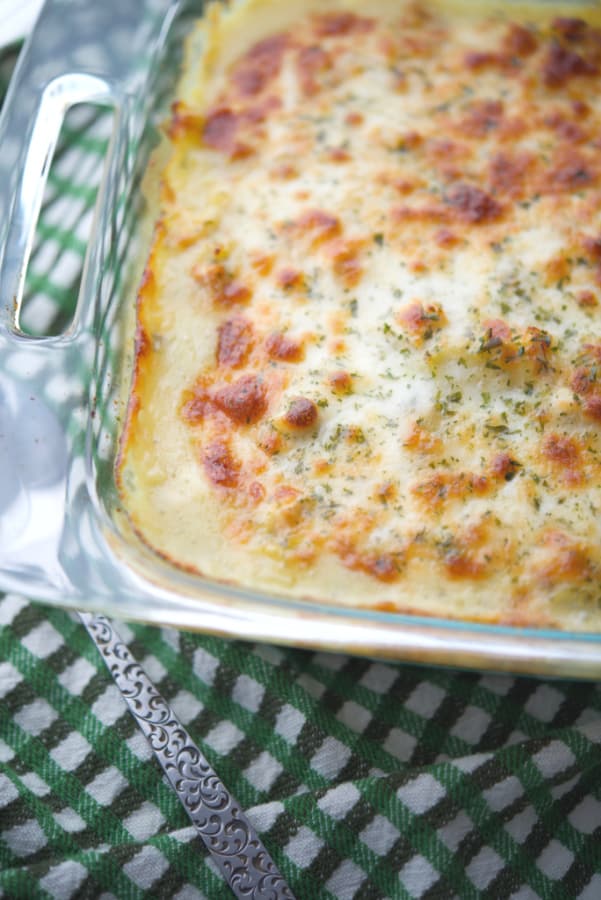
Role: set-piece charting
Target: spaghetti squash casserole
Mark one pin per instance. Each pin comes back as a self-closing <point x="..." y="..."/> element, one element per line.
<point x="368" y="347"/>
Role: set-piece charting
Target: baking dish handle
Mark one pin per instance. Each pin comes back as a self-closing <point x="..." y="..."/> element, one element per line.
<point x="79" y="52"/>
<point x="35" y="147"/>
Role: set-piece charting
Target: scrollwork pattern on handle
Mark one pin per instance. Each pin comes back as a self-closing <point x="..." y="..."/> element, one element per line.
<point x="226" y="832"/>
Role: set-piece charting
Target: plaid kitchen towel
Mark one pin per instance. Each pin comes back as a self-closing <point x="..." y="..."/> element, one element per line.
<point x="365" y="779"/>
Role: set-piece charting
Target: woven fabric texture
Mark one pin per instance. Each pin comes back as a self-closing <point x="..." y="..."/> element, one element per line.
<point x="365" y="779"/>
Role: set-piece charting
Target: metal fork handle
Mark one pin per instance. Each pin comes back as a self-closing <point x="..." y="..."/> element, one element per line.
<point x="227" y="834"/>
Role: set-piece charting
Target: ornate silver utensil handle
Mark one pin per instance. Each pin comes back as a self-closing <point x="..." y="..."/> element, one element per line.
<point x="228" y="835"/>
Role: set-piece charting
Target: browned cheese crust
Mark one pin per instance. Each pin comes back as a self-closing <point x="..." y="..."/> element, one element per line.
<point x="368" y="360"/>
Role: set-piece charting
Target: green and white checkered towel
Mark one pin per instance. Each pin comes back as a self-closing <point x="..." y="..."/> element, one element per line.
<point x="365" y="779"/>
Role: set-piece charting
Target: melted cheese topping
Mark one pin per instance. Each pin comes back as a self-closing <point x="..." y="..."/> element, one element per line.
<point x="368" y="360"/>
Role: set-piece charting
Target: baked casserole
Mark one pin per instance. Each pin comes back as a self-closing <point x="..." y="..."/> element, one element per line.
<point x="367" y="354"/>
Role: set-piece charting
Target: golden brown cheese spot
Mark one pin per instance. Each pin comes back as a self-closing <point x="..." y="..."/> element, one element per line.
<point x="422" y="44"/>
<point x="445" y="238"/>
<point x="483" y="117"/>
<point x="496" y="333"/>
<point x="447" y="156"/>
<point x="340" y="382"/>
<point x="386" y="492"/>
<point x="385" y="567"/>
<point x="284" y="172"/>
<point x="286" y="494"/>
<point x="433" y="213"/>
<point x="443" y="486"/>
<point x="591" y="353"/>
<point x="487" y="120"/>
<point x="301" y="414"/>
<point x="284" y="348"/>
<point x="565" y="128"/>
<point x="418" y="266"/>
<point x="592" y="407"/>
<point x="320" y="225"/>
<point x="224" y="287"/>
<point x="422" y="440"/>
<point x="234" y="342"/>
<point x="416" y="16"/>
<point x="509" y="173"/>
<point x="337" y="347"/>
<point x="583" y="381"/>
<point x="195" y="403"/>
<point x="461" y="563"/>
<point x="519" y="41"/>
<point x="592" y="248"/>
<point x="557" y="269"/>
<point x="338" y="24"/>
<point x="346" y="261"/>
<point x="571" y="172"/>
<point x="537" y="346"/>
<point x="262" y="263"/>
<point x="294" y="510"/>
<point x="338" y="155"/>
<point x="142" y="343"/>
<point x="421" y="321"/>
<point x="475" y="60"/>
<point x="571" y="29"/>
<point x="270" y="441"/>
<point x="411" y="140"/>
<point x="388" y="48"/>
<point x="244" y="401"/>
<point x="564" y="453"/>
<point x="405" y="186"/>
<point x="322" y="466"/>
<point x="562" y="65"/>
<point x="503" y="467"/>
<point x="512" y="128"/>
<point x="468" y="556"/>
<point x="184" y="121"/>
<point x="337" y="322"/>
<point x="254" y="116"/>
<point x="353" y="434"/>
<point x="502" y="345"/>
<point x="586" y="299"/>
<point x="293" y="513"/>
<point x="580" y="109"/>
<point x="566" y="560"/>
<point x="220" y="132"/>
<point x="227" y="130"/>
<point x="222" y="469"/>
<point x="256" y="492"/>
<point x="260" y="65"/>
<point x="290" y="279"/>
<point x="399" y="81"/>
<point x="473" y="205"/>
<point x="310" y="63"/>
<point x="354" y="119"/>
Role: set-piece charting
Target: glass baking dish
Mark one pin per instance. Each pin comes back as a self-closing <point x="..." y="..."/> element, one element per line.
<point x="61" y="398"/>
